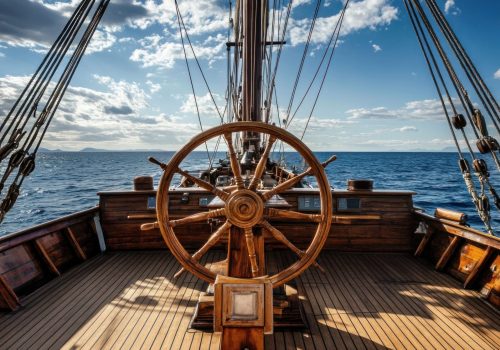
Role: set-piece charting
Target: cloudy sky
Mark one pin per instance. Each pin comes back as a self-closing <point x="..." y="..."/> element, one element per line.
<point x="131" y="90"/>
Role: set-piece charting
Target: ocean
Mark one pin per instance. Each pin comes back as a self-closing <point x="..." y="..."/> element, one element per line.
<point x="66" y="182"/>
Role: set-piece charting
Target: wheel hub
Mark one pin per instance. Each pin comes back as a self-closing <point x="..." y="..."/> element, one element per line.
<point x="244" y="208"/>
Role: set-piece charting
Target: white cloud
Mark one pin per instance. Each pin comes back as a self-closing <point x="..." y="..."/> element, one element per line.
<point x="158" y="51"/>
<point x="450" y="7"/>
<point x="116" y="117"/>
<point x="496" y="75"/>
<point x="2" y="54"/>
<point x="376" y="48"/>
<point x="153" y="87"/>
<point x="360" y="15"/>
<point x="407" y="128"/>
<point x="101" y="41"/>
<point x="206" y="106"/>
<point x="422" y="109"/>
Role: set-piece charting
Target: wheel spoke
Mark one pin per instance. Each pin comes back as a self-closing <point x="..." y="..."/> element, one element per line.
<point x="204" y="184"/>
<point x="251" y="251"/>
<point x="212" y="240"/>
<point x="198" y="217"/>
<point x="293" y="181"/>
<point x="273" y="213"/>
<point x="235" y="165"/>
<point x="259" y="170"/>
<point x="280" y="237"/>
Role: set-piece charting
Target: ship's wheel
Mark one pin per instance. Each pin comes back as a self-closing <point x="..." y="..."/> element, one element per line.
<point x="246" y="208"/>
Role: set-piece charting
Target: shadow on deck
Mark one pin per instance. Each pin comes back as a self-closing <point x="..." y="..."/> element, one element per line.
<point x="127" y="300"/>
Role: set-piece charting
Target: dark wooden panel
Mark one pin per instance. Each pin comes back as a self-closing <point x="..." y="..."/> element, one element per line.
<point x="121" y="220"/>
<point x="20" y="266"/>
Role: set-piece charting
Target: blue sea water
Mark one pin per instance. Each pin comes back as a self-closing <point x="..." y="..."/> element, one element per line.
<point x="65" y="182"/>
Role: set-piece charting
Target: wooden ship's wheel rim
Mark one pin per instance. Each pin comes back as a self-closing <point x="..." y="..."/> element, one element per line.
<point x="244" y="207"/>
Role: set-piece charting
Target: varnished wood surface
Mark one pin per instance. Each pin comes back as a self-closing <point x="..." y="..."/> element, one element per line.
<point x="31" y="257"/>
<point x="128" y="300"/>
<point x="467" y="254"/>
<point x="391" y="229"/>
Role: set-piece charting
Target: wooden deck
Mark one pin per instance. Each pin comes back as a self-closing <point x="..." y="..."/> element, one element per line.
<point x="127" y="300"/>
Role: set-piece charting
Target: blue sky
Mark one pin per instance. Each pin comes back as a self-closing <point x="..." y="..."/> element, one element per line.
<point x="131" y="90"/>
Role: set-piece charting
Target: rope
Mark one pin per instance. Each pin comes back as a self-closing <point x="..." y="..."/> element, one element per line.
<point x="303" y="59"/>
<point x="190" y="77"/>
<point x="22" y="159"/>
<point x="480" y="201"/>
<point x="339" y="22"/>
<point x="463" y="56"/>
<point x="181" y="20"/>
<point x="278" y="57"/>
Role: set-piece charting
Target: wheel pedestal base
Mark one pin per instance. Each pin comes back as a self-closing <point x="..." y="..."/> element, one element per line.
<point x="287" y="310"/>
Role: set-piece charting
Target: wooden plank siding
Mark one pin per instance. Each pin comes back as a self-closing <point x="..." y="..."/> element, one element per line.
<point x="31" y="257"/>
<point x="470" y="256"/>
<point x="122" y="214"/>
<point x="128" y="300"/>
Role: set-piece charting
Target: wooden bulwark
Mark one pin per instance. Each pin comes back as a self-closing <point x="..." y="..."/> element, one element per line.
<point x="128" y="300"/>
<point x="467" y="254"/>
<point x="31" y="257"/>
<point x="385" y="221"/>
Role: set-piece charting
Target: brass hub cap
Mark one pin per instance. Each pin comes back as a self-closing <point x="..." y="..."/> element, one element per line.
<point x="244" y="208"/>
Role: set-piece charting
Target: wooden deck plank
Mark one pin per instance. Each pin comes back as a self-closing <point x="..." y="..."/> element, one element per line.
<point x="59" y="306"/>
<point x="93" y="312"/>
<point x="104" y="326"/>
<point x="32" y="301"/>
<point x="367" y="301"/>
<point x="431" y="331"/>
<point x="132" y="308"/>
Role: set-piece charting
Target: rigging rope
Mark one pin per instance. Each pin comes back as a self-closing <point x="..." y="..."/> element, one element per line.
<point x="302" y="61"/>
<point x="480" y="201"/>
<point x="27" y="104"/>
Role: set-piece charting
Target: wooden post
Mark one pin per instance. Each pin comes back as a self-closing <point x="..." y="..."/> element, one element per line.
<point x="243" y="311"/>
<point x="448" y="252"/>
<point x="74" y="243"/>
<point x="239" y="267"/>
<point x="478" y="267"/>
<point x="8" y="297"/>
<point x="46" y="258"/>
<point x="425" y="240"/>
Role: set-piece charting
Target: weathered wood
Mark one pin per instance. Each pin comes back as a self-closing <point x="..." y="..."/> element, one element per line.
<point x="423" y="243"/>
<point x="8" y="296"/>
<point x="74" y="243"/>
<point x="18" y="238"/>
<point x="374" y="301"/>
<point x="455" y="229"/>
<point x="46" y="258"/>
<point x="385" y="218"/>
<point x="445" y="257"/>
<point x="478" y="267"/>
<point x="451" y="215"/>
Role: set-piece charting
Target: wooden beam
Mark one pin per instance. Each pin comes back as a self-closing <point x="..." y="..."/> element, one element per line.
<point x="8" y="295"/>
<point x="46" y="258"/>
<point x="74" y="243"/>
<point x="478" y="267"/>
<point x="455" y="229"/>
<point x="425" y="240"/>
<point x="448" y="252"/>
<point x="32" y="233"/>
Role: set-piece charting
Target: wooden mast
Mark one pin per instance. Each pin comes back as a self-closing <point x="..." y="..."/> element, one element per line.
<point x="239" y="263"/>
<point x="252" y="67"/>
